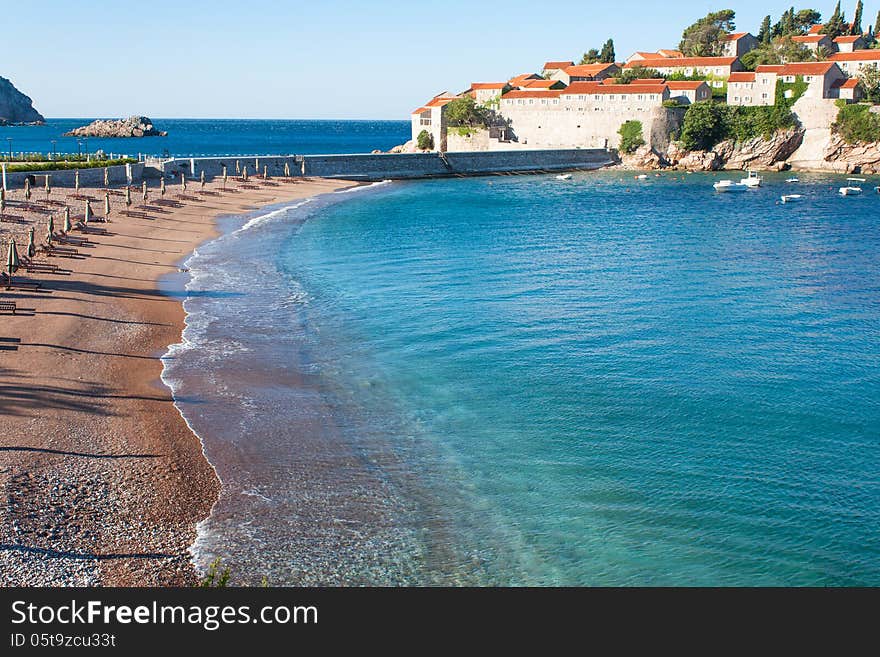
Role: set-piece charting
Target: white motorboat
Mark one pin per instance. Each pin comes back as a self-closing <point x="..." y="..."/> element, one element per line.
<point x="850" y="191"/>
<point x="752" y="180"/>
<point x="563" y="176"/>
<point x="729" y="186"/>
<point x="642" y="177"/>
<point x="791" y="180"/>
<point x="789" y="198"/>
<point x="856" y="179"/>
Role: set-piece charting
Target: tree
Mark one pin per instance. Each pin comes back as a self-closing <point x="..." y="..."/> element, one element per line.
<point x="590" y="57"/>
<point x="779" y="51"/>
<point x="836" y="25"/>
<point x="764" y="32"/>
<point x="877" y="24"/>
<point x="704" y="38"/>
<point x="638" y="73"/>
<point x="425" y="141"/>
<point x="607" y="54"/>
<point x="463" y="112"/>
<point x="703" y="126"/>
<point x="805" y="19"/>
<point x="856" y="28"/>
<point x="631" y="136"/>
<point x="869" y="81"/>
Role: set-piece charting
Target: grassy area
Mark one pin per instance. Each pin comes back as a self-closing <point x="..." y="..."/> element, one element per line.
<point x="29" y="167"/>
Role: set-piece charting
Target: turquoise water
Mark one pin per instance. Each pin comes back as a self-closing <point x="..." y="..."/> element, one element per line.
<point x="599" y="381"/>
<point x="203" y="137"/>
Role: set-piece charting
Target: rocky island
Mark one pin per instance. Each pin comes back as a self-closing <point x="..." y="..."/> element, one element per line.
<point x="15" y="107"/>
<point x="133" y="126"/>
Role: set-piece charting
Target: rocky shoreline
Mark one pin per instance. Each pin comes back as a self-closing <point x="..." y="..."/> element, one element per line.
<point x="133" y="126"/>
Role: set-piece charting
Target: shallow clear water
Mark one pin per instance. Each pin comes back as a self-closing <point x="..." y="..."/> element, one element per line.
<point x="202" y="137"/>
<point x="598" y="381"/>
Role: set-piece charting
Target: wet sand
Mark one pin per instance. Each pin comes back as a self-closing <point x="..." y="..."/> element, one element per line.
<point x="103" y="480"/>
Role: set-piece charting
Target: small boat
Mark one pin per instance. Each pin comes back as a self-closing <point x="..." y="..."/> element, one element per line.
<point x="752" y="180"/>
<point x="850" y="191"/>
<point x="563" y="176"/>
<point x="642" y="177"/>
<point x="877" y="189"/>
<point x="791" y="180"/>
<point x="788" y="198"/>
<point x="729" y="186"/>
<point x="856" y="179"/>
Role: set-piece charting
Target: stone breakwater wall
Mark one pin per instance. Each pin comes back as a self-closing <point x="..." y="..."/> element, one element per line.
<point x="397" y="166"/>
<point x="87" y="177"/>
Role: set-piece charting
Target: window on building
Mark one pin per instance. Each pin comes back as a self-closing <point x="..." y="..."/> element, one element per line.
<point x="736" y="99"/>
<point x="764" y="96"/>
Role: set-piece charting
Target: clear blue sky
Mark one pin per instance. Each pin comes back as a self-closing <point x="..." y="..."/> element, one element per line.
<point x="323" y="59"/>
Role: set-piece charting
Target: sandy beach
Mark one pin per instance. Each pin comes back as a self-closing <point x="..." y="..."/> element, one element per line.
<point x="103" y="480"/>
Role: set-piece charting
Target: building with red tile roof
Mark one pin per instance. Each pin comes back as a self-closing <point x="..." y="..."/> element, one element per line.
<point x="738" y="44"/>
<point x="759" y="88"/>
<point x="551" y="67"/>
<point x="586" y="72"/>
<point x="853" y="62"/>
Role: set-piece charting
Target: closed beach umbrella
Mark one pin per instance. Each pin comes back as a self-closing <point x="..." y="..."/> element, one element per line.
<point x="67" y="227"/>
<point x="237" y="168"/>
<point x="256" y="165"/>
<point x="106" y="176"/>
<point x="183" y="180"/>
<point x="12" y="261"/>
<point x="265" y="172"/>
<point x="162" y="187"/>
<point x="128" y="196"/>
<point x="224" y="176"/>
<point x="144" y="192"/>
<point x="2" y="203"/>
<point x="106" y="206"/>
<point x="287" y="169"/>
<point x="50" y="227"/>
<point x="76" y="179"/>
<point x="27" y="188"/>
<point x="48" y="185"/>
<point x="88" y="214"/>
<point x="244" y="172"/>
<point x="31" y="247"/>
<point x="202" y="179"/>
<point x="50" y="233"/>
<point x="66" y="213"/>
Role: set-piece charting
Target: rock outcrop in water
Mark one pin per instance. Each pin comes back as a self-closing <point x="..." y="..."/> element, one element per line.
<point x="852" y="158"/>
<point x="133" y="126"/>
<point x="15" y="107"/>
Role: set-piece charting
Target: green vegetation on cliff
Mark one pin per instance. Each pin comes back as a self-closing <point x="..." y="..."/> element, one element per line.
<point x="631" y="136"/>
<point x="857" y="123"/>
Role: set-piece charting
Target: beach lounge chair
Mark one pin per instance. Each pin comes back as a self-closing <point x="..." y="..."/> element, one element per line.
<point x="7" y="306"/>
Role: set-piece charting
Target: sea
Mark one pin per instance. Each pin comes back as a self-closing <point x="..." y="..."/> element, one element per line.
<point x="520" y="380"/>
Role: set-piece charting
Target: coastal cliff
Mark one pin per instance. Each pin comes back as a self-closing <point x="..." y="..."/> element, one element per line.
<point x="851" y="158"/>
<point x="15" y="107"/>
<point x="133" y="126"/>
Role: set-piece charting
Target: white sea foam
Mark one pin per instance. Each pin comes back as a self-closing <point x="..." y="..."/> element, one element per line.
<point x="263" y="218"/>
<point x="362" y="188"/>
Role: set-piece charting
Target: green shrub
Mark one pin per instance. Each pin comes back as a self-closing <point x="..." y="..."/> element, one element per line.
<point x="707" y="124"/>
<point x="425" y="141"/>
<point x="64" y="166"/>
<point x="856" y="123"/>
<point x="465" y="112"/>
<point x="631" y="136"/>
<point x="215" y="578"/>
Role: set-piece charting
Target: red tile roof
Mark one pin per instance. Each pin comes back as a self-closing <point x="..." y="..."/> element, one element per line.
<point x="670" y="53"/>
<point x="488" y="85"/>
<point x="744" y="76"/>
<point x="681" y="85"/>
<point x="849" y="83"/>
<point x="420" y="110"/>
<point x="770" y="68"/>
<point x="587" y="70"/>
<point x="540" y="84"/>
<point x="807" y="68"/>
<point x="736" y="36"/>
<point x="848" y="38"/>
<point x="855" y="56"/>
<point x="557" y="65"/>
<point x="815" y="29"/>
<point x="440" y="101"/>
<point x="681" y="62"/>
<point x="519" y="79"/>
<point x="533" y="93"/>
<point x="616" y="89"/>
<point x="809" y="38"/>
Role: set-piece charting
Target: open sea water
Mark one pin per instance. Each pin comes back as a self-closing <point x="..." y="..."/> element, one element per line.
<point x="215" y="137"/>
<point x="521" y="380"/>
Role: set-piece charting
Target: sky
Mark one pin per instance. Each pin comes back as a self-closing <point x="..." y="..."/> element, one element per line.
<point x="325" y="59"/>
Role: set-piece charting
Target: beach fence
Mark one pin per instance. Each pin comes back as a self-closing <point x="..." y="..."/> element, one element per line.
<point x="92" y="177"/>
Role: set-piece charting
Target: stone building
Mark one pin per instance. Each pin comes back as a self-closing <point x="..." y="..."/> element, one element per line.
<point x="813" y="42"/>
<point x="687" y="92"/>
<point x="715" y="69"/>
<point x="759" y="88"/>
<point x="586" y="73"/>
<point x="852" y="62"/>
<point x="738" y="44"/>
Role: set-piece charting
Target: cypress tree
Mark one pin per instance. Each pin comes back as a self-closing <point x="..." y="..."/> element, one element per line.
<point x="857" y="20"/>
<point x="877" y="24"/>
<point x="607" y="55"/>
<point x="764" y="32"/>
